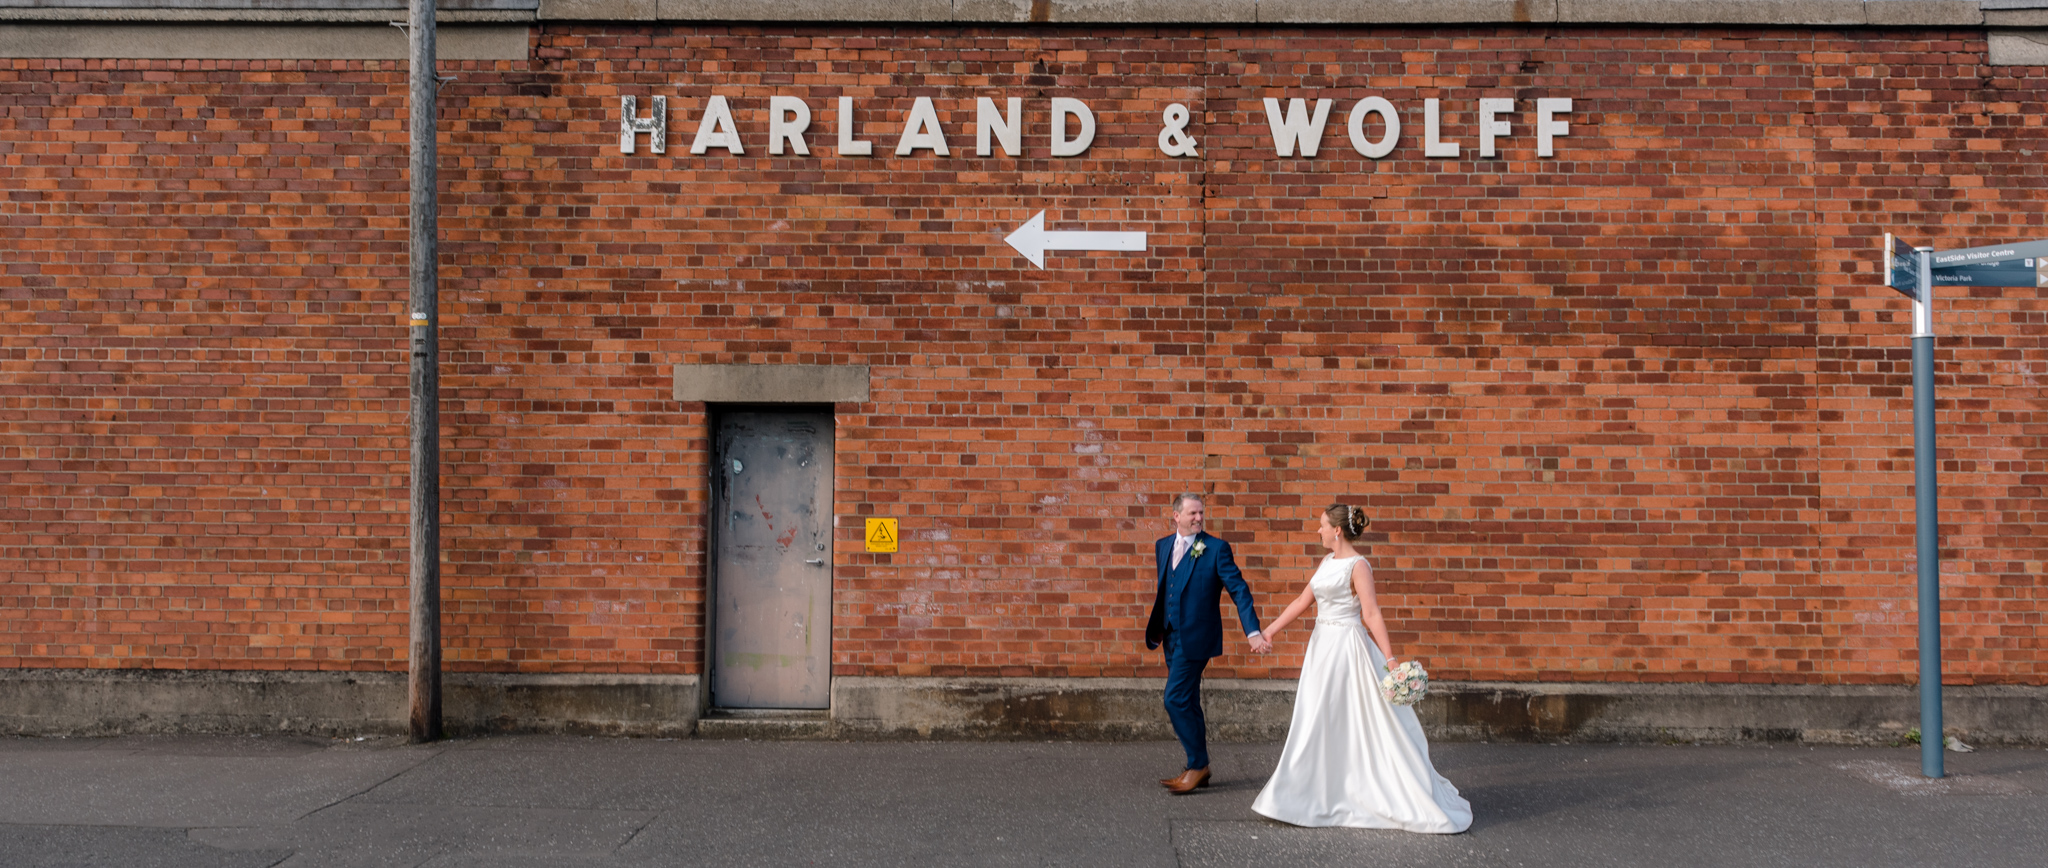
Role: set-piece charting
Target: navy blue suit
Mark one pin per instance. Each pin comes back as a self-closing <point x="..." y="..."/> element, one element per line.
<point x="1187" y="619"/>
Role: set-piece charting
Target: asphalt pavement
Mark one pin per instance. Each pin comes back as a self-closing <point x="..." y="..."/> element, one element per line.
<point x="141" y="802"/>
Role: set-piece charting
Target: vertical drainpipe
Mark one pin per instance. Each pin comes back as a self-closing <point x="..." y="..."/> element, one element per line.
<point x="423" y="683"/>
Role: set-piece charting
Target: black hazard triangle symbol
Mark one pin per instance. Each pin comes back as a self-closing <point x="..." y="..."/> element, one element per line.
<point x="882" y="536"/>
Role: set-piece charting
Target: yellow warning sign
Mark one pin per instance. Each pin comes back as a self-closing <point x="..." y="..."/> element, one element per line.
<point x="881" y="534"/>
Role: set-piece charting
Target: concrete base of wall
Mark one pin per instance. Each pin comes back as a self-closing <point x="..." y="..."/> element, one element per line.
<point x="1815" y="714"/>
<point x="113" y="702"/>
<point x="1248" y="710"/>
<point x="1104" y="709"/>
<point x="87" y="702"/>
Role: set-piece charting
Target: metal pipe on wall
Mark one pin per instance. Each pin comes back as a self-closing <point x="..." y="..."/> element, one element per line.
<point x="423" y="684"/>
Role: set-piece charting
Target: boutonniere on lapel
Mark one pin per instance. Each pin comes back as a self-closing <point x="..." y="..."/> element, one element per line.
<point x="1198" y="548"/>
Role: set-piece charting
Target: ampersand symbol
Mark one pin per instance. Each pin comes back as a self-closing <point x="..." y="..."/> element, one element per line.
<point x="1172" y="141"/>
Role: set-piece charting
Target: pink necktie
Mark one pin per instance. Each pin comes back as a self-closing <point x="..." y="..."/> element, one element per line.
<point x="1180" y="547"/>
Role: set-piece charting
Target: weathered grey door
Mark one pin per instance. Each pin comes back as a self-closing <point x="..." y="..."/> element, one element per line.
<point x="772" y="560"/>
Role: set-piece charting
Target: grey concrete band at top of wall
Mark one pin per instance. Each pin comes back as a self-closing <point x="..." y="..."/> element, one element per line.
<point x="455" y="42"/>
<point x="1758" y="12"/>
<point x="180" y="41"/>
<point x="499" y="29"/>
<point x="1830" y="13"/>
<point x="192" y="39"/>
<point x="251" y="15"/>
<point x="2019" y="49"/>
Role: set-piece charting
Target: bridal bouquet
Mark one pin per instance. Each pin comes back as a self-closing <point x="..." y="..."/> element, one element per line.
<point x="1405" y="684"/>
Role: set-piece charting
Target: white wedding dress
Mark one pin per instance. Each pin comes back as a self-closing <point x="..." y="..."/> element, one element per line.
<point x="1352" y="758"/>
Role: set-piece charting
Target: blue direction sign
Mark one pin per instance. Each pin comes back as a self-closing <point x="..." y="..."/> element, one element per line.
<point x="2021" y="264"/>
<point x="1901" y="267"/>
<point x="2018" y="272"/>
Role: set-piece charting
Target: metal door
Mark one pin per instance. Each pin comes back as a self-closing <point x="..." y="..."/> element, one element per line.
<point x="772" y="560"/>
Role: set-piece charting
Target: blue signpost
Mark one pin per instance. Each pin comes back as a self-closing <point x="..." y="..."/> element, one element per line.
<point x="1915" y="272"/>
<point x="1910" y="271"/>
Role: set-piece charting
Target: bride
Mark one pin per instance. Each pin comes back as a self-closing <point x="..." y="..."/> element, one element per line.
<point x="1352" y="758"/>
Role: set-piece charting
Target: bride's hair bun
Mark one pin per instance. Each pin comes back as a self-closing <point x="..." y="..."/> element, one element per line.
<point x="1347" y="520"/>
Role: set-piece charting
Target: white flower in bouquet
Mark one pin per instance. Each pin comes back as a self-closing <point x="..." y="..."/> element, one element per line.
<point x="1405" y="684"/>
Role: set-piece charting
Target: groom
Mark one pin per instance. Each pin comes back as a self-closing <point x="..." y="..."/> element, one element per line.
<point x="1194" y="571"/>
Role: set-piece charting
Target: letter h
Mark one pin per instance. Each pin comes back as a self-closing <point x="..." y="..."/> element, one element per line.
<point x="655" y="127"/>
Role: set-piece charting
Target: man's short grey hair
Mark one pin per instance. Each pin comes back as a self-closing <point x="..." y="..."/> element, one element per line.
<point x="1182" y="499"/>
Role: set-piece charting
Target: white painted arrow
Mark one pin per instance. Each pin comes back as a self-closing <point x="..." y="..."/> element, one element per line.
<point x="1033" y="241"/>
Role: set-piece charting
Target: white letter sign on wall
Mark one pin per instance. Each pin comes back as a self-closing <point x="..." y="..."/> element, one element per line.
<point x="1432" y="144"/>
<point x="848" y="145"/>
<point x="1388" y="117"/>
<point x="655" y="127"/>
<point x="715" y="129"/>
<point x="921" y="130"/>
<point x="1546" y="128"/>
<point x="1174" y="140"/>
<point x="1490" y="126"/>
<point x="1297" y="128"/>
<point x="1061" y="145"/>
<point x="788" y="117"/>
<point x="1006" y="127"/>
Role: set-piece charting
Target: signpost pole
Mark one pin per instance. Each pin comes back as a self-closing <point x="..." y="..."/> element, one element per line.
<point x="423" y="683"/>
<point x="1927" y="520"/>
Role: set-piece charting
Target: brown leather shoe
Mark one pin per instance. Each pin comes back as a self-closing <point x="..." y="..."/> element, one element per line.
<point x="1188" y="782"/>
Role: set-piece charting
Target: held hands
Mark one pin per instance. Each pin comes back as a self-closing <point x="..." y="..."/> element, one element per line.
<point x="1260" y="644"/>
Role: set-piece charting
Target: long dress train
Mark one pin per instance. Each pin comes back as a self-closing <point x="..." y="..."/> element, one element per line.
<point x="1352" y="758"/>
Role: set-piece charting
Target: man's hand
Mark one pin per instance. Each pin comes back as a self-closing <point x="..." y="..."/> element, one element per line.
<point x="1260" y="644"/>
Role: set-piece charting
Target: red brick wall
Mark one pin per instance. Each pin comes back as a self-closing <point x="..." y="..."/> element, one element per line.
<point x="1639" y="412"/>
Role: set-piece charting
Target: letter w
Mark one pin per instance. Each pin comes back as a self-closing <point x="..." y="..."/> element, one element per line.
<point x="1297" y="128"/>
